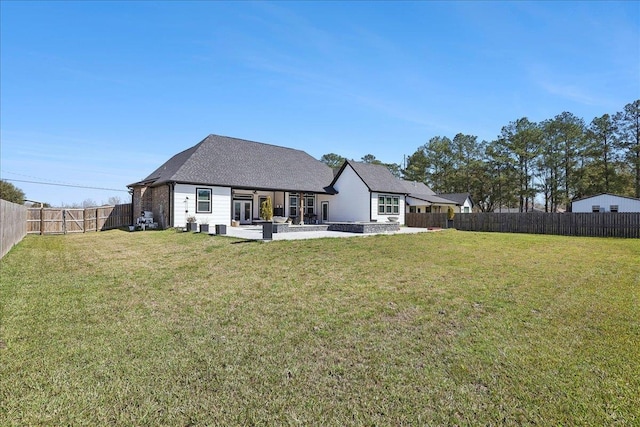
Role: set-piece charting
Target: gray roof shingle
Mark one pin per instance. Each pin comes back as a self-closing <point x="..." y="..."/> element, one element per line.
<point x="415" y="188"/>
<point x="420" y="191"/>
<point x="459" y="198"/>
<point x="232" y="162"/>
<point x="376" y="177"/>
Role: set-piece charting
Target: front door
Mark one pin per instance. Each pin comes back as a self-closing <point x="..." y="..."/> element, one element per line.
<point x="325" y="211"/>
<point x="242" y="211"/>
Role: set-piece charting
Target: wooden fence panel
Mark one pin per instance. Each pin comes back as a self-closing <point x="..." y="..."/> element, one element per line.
<point x="90" y="219"/>
<point x="422" y="220"/>
<point x="34" y="220"/>
<point x="62" y="220"/>
<point x="110" y="217"/>
<point x="74" y="220"/>
<point x="52" y="221"/>
<point x="565" y="224"/>
<point x="13" y="225"/>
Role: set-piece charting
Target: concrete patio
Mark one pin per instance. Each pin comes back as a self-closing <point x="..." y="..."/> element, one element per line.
<point x="254" y="232"/>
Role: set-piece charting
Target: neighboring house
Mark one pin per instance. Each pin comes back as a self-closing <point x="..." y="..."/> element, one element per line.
<point x="221" y="179"/>
<point x="421" y="199"/>
<point x="606" y="202"/>
<point x="463" y="200"/>
<point x="530" y="209"/>
<point x="366" y="192"/>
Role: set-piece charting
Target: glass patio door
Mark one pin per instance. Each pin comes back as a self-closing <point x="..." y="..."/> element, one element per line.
<point x="242" y="211"/>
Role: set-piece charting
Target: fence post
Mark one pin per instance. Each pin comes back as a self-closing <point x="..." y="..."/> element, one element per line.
<point x="41" y="220"/>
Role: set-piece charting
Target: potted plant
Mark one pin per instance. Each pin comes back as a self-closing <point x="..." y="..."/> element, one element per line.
<point x="191" y="223"/>
<point x="266" y="209"/>
<point x="266" y="212"/>
<point x="204" y="225"/>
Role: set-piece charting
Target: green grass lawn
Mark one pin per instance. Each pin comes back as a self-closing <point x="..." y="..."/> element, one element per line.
<point x="447" y="328"/>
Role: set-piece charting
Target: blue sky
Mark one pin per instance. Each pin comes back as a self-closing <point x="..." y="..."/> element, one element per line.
<point x="99" y="94"/>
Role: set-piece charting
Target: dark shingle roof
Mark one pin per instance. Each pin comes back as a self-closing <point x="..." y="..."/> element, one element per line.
<point x="417" y="189"/>
<point x="459" y="198"/>
<point x="232" y="162"/>
<point x="376" y="177"/>
<point x="421" y="191"/>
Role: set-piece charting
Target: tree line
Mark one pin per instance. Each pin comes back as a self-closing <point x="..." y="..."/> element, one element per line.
<point x="11" y="193"/>
<point x="554" y="161"/>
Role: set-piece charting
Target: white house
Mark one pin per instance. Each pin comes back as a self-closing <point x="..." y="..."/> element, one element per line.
<point x="463" y="201"/>
<point x="221" y="179"/>
<point x="367" y="192"/>
<point x="422" y="199"/>
<point x="606" y="202"/>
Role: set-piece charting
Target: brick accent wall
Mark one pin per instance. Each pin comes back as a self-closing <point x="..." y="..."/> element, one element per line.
<point x="156" y="200"/>
<point x="138" y="200"/>
<point x="161" y="206"/>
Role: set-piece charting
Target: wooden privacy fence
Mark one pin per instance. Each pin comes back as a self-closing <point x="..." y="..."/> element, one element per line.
<point x="564" y="224"/>
<point x="63" y="221"/>
<point x="13" y="219"/>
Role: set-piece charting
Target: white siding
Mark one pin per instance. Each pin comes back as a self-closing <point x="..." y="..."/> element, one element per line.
<point x="385" y="218"/>
<point x="605" y="201"/>
<point x="353" y="201"/>
<point x="418" y="204"/>
<point x="220" y="205"/>
<point x="466" y="204"/>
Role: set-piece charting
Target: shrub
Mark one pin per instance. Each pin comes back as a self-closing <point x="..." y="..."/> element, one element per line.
<point x="266" y="209"/>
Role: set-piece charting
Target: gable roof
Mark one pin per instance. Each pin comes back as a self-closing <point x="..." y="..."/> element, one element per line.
<point x="421" y="191"/>
<point x="459" y="198"/>
<point x="232" y="162"/>
<point x="415" y="189"/>
<point x="605" y="194"/>
<point x="376" y="177"/>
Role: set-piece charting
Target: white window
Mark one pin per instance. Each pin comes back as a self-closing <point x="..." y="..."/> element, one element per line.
<point x="203" y="200"/>
<point x="293" y="205"/>
<point x="309" y="204"/>
<point x="388" y="205"/>
<point x="595" y="208"/>
<point x="613" y="208"/>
